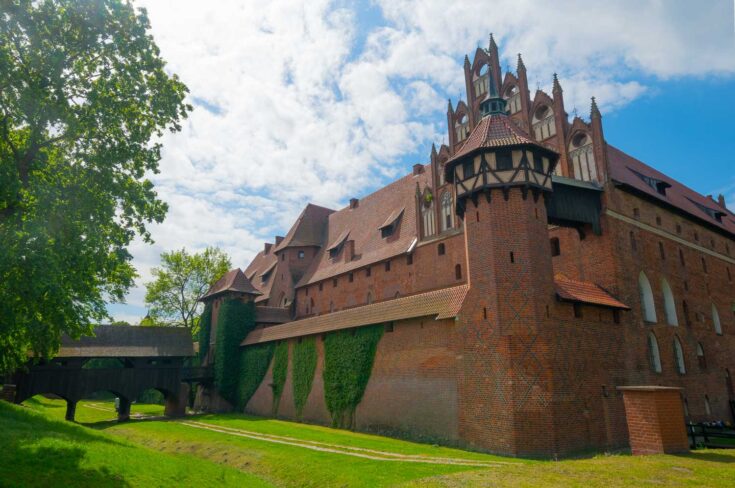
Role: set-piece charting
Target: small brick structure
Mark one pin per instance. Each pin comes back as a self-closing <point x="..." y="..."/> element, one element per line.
<point x="8" y="393"/>
<point x="655" y="418"/>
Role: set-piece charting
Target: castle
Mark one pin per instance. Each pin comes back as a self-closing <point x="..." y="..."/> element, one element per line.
<point x="522" y="276"/>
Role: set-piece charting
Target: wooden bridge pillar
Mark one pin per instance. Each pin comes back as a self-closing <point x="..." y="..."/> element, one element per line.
<point x="123" y="410"/>
<point x="71" y="410"/>
<point x="176" y="404"/>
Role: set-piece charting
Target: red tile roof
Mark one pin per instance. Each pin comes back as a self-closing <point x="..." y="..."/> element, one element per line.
<point x="495" y="131"/>
<point x="271" y="315"/>
<point x="233" y="280"/>
<point x="441" y="304"/>
<point x="585" y="292"/>
<point x="308" y="230"/>
<point x="623" y="170"/>
<point x="363" y="223"/>
<point x="256" y="268"/>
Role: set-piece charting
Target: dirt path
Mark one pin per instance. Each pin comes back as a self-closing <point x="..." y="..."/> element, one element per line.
<point x="360" y="452"/>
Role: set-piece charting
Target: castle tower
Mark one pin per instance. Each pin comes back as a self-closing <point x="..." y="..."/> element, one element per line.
<point x="501" y="179"/>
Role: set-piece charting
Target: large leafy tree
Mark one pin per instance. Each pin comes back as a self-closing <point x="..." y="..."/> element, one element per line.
<point x="84" y="100"/>
<point x="183" y="278"/>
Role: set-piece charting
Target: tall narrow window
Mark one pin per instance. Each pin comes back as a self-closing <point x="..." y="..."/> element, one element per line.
<point x="669" y="303"/>
<point x="687" y="318"/>
<point x="441" y="250"/>
<point x="704" y="265"/>
<point x="447" y="221"/>
<point x="679" y="357"/>
<point x="633" y="244"/>
<point x="458" y="272"/>
<point x="555" y="248"/>
<point x="661" y="250"/>
<point x="700" y="356"/>
<point x="647" y="304"/>
<point x="427" y="218"/>
<point x="681" y="257"/>
<point x="716" y="320"/>
<point x="653" y="354"/>
<point x="369" y="298"/>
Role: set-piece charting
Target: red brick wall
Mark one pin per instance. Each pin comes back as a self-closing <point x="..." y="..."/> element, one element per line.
<point x="655" y="420"/>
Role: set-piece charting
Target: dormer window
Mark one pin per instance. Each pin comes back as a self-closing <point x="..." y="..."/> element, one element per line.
<point x="656" y="184"/>
<point x="713" y="213"/>
<point x="391" y="223"/>
<point x="336" y="247"/>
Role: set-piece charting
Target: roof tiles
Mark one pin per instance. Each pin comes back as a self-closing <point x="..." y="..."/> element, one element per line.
<point x="234" y="280"/>
<point x="585" y="292"/>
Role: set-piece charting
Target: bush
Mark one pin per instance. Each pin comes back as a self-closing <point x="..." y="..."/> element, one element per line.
<point x="280" y="370"/>
<point x="254" y="362"/>
<point x="303" y="366"/>
<point x="348" y="363"/>
<point x="234" y="320"/>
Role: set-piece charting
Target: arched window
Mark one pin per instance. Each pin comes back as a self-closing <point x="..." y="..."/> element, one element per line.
<point x="679" y="357"/>
<point x="513" y="98"/>
<point x="653" y="353"/>
<point x="647" y="304"/>
<point x="716" y="320"/>
<point x="582" y="156"/>
<point x="669" y="303"/>
<point x="462" y="127"/>
<point x="700" y="356"/>
<point x="458" y="272"/>
<point x="447" y="213"/>
<point x="543" y="123"/>
<point x="427" y="216"/>
<point x="481" y="78"/>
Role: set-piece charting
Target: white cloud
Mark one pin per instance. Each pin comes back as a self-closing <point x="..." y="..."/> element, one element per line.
<point x="288" y="112"/>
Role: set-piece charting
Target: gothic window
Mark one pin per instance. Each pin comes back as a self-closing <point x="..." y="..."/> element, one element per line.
<point x="653" y="353"/>
<point x="582" y="156"/>
<point x="481" y="81"/>
<point x="669" y="303"/>
<point x="513" y="99"/>
<point x="700" y="356"/>
<point x="543" y="123"/>
<point x="679" y="357"/>
<point x="647" y="304"/>
<point x="447" y="212"/>
<point x="462" y="128"/>
<point x="427" y="218"/>
<point x="716" y="320"/>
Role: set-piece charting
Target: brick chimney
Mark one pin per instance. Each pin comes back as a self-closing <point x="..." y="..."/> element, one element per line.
<point x="418" y="169"/>
<point x="349" y="250"/>
<point x="268" y="247"/>
<point x="354" y="202"/>
<point x="279" y="239"/>
<point x="721" y="201"/>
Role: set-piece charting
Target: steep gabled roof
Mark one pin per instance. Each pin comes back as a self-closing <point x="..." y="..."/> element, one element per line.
<point x="233" y="281"/>
<point x="585" y="292"/>
<point x="632" y="173"/>
<point x="256" y="268"/>
<point x="363" y="222"/>
<point x="440" y="304"/>
<point x="308" y="230"/>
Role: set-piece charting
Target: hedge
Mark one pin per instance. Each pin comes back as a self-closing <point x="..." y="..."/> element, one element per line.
<point x="280" y="370"/>
<point x="254" y="362"/>
<point x="205" y="328"/>
<point x="348" y="363"/>
<point x="234" y="320"/>
<point x="303" y="367"/>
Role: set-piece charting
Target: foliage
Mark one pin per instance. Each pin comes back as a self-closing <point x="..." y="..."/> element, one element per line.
<point x="103" y="363"/>
<point x="205" y="328"/>
<point x="280" y="370"/>
<point x="234" y="320"/>
<point x="254" y="362"/>
<point x="348" y="362"/>
<point x="303" y="367"/>
<point x="183" y="278"/>
<point x="151" y="396"/>
<point x="84" y="96"/>
<point x="121" y="322"/>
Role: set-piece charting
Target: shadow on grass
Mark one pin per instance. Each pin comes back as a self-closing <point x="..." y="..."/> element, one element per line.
<point x="714" y="457"/>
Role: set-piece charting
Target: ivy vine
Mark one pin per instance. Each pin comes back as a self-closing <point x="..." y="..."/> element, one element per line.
<point x="348" y="363"/>
<point x="234" y="320"/>
<point x="254" y="362"/>
<point x="205" y="327"/>
<point x="280" y="370"/>
<point x="304" y="357"/>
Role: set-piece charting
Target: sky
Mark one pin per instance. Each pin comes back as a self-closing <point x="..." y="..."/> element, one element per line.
<point x="322" y="101"/>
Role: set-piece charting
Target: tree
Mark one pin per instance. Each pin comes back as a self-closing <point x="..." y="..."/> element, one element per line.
<point x="182" y="279"/>
<point x="84" y="101"/>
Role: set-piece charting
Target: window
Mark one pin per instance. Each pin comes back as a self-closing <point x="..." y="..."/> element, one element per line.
<point x="283" y="256"/>
<point x="577" y="307"/>
<point x="653" y="353"/>
<point x="468" y="169"/>
<point x="700" y="356"/>
<point x="633" y="244"/>
<point x="321" y="286"/>
<point x="387" y="231"/>
<point x="462" y="127"/>
<point x="707" y="408"/>
<point x="458" y="272"/>
<point x="369" y="298"/>
<point x="301" y="254"/>
<point x="687" y="319"/>
<point x="538" y="163"/>
<point x="513" y="99"/>
<point x="334" y="283"/>
<point x="387" y="265"/>
<point x="389" y="327"/>
<point x="350" y="277"/>
<point x="409" y="259"/>
<point x="331" y="307"/>
<point x="678" y="228"/>
<point x="543" y="123"/>
<point x="681" y="258"/>
<point x="368" y="271"/>
<point x="661" y="250"/>
<point x="504" y="160"/>
<point x="555" y="249"/>
<point x="647" y="304"/>
<point x="447" y="215"/>
<point x="441" y="250"/>
<point x="427" y="217"/>
<point x="582" y="157"/>
<point x="679" y="357"/>
<point x="704" y="265"/>
<point x="669" y="303"/>
<point x="716" y="320"/>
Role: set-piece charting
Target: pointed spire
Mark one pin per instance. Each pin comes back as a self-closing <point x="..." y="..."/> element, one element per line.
<point x="449" y="105"/>
<point x="466" y="60"/>
<point x="492" y="46"/>
<point x="557" y="86"/>
<point x="433" y="149"/>
<point x="594" y="111"/>
<point x="520" y="66"/>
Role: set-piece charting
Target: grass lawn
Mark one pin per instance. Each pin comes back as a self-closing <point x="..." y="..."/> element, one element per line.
<point x="291" y="454"/>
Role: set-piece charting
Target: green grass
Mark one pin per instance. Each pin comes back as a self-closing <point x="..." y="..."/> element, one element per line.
<point x="38" y="450"/>
<point x="287" y="465"/>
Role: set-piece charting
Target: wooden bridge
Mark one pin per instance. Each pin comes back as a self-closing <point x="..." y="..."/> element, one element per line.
<point x="149" y="358"/>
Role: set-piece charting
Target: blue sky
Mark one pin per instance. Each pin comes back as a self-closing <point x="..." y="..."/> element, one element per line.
<point x="322" y="101"/>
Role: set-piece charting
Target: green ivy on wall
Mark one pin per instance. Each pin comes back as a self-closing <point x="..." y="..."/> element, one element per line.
<point x="304" y="357"/>
<point x="254" y="362"/>
<point x="205" y="327"/>
<point x="234" y="320"/>
<point x="280" y="370"/>
<point x="348" y="363"/>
